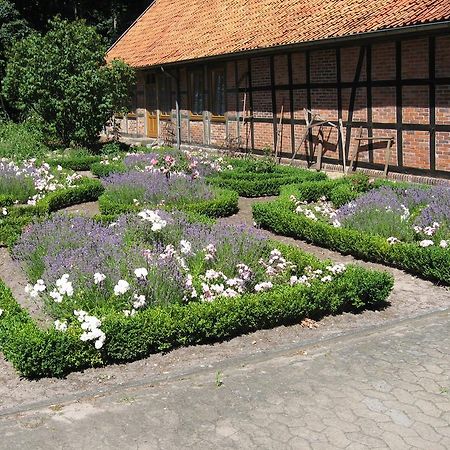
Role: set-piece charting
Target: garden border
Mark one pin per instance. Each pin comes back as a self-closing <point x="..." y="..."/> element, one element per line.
<point x="86" y="190"/>
<point x="277" y="216"/>
<point x="262" y="184"/>
<point x="225" y="203"/>
<point x="37" y="353"/>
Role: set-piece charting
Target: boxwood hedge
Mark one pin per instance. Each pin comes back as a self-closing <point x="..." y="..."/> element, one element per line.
<point x="278" y="216"/>
<point x="224" y="203"/>
<point x="36" y="353"/>
<point x="250" y="182"/>
<point x="12" y="224"/>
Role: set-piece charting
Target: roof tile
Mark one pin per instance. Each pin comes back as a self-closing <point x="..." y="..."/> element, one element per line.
<point x="172" y="31"/>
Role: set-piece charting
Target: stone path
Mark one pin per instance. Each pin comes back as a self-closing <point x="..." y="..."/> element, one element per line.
<point x="382" y="389"/>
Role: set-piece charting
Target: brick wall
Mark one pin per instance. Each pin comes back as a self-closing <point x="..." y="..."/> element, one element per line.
<point x="385" y="88"/>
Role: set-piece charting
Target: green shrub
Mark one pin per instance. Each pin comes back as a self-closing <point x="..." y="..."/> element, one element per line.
<point x="251" y="182"/>
<point x="342" y="194"/>
<point x="38" y="353"/>
<point x="339" y="191"/>
<point x="103" y="170"/>
<point x="19" y="141"/>
<point x="432" y="262"/>
<point x="77" y="159"/>
<point x="224" y="203"/>
<point x="18" y="217"/>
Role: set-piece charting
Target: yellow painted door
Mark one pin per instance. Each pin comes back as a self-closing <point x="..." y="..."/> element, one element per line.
<point x="152" y="124"/>
<point x="151" y="106"/>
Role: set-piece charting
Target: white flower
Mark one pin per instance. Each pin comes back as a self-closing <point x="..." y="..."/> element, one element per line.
<point x="59" y="168"/>
<point x="426" y="243"/>
<point x="60" y="325"/>
<point x="141" y="273"/>
<point x="211" y="274"/>
<point x="210" y="252"/>
<point x="121" y="287"/>
<point x="99" y="277"/>
<point x="336" y="268"/>
<point x="91" y="326"/>
<point x="185" y="247"/>
<point x="264" y="286"/>
<point x="152" y="216"/>
<point x="34" y="290"/>
<point x="231" y="293"/>
<point x="336" y="223"/>
<point x="326" y="278"/>
<point x="4" y="211"/>
<point x="1" y="312"/>
<point x="56" y="296"/>
<point x="443" y="244"/>
<point x="129" y="313"/>
<point x="64" y="286"/>
<point x="139" y="302"/>
<point x="392" y="240"/>
<point x="40" y="286"/>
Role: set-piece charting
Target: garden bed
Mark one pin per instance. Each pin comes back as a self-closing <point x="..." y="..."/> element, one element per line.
<point x="134" y="190"/>
<point x="154" y="281"/>
<point x="402" y="225"/>
<point x="260" y="178"/>
<point x="28" y="191"/>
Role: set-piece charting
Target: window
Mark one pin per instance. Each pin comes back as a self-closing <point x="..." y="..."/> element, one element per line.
<point x="218" y="92"/>
<point x="197" y="91"/>
<point x="165" y="94"/>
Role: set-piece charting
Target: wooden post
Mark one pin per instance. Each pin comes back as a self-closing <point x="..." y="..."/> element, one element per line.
<point x="355" y="154"/>
<point x="341" y="138"/>
<point x="388" y="156"/>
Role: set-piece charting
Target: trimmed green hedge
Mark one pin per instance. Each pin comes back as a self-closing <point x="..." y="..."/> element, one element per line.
<point x="79" y="162"/>
<point x="103" y="170"/>
<point x="278" y="216"/>
<point x="11" y="226"/>
<point x="248" y="183"/>
<point x="39" y="353"/>
<point x="224" y="203"/>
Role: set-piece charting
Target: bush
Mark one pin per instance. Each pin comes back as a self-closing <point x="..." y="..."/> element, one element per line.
<point x="103" y="170"/>
<point x="38" y="353"/>
<point x="63" y="79"/>
<point x="224" y="203"/>
<point x="432" y="262"/>
<point x="339" y="191"/>
<point x="249" y="181"/>
<point x="18" y="217"/>
<point x="19" y="141"/>
<point x="78" y="159"/>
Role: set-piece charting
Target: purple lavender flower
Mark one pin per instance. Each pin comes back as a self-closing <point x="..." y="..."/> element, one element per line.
<point x="155" y="187"/>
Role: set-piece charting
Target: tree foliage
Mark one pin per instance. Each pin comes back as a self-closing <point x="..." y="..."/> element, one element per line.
<point x="12" y="28"/>
<point x="61" y="77"/>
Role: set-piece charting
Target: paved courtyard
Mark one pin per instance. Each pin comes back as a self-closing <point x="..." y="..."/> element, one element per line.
<point x="382" y="388"/>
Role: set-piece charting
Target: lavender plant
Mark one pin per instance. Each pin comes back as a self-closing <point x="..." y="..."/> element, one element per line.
<point x="154" y="188"/>
<point x="148" y="259"/>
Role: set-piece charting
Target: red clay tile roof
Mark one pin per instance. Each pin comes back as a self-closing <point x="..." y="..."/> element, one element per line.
<point x="177" y="30"/>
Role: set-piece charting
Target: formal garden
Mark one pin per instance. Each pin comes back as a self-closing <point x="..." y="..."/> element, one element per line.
<point x="157" y="268"/>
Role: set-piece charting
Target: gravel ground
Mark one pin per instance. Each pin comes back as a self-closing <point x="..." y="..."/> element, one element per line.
<point x="411" y="297"/>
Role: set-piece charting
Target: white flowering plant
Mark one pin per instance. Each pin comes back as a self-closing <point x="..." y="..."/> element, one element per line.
<point x="29" y="181"/>
<point x="86" y="271"/>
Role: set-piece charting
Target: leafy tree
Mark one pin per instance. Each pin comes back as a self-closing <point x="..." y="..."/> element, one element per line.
<point x="62" y="78"/>
<point x="12" y="28"/>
